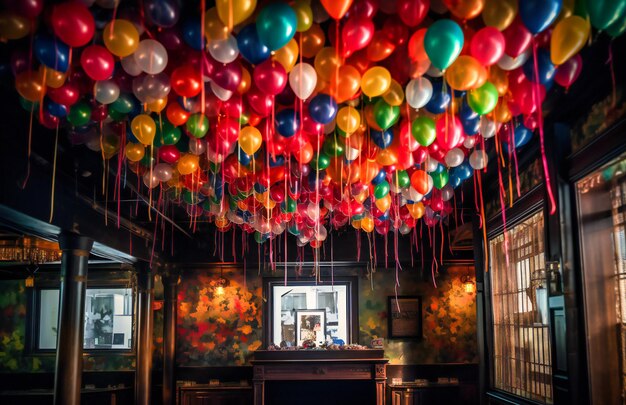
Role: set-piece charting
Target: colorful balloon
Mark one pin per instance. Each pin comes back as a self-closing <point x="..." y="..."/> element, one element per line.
<point x="568" y="38"/>
<point x="443" y="43"/>
<point x="276" y="25"/>
<point x="72" y="23"/>
<point x="376" y="81"/>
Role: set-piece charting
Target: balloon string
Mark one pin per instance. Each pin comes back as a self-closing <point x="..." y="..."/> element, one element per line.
<point x="612" y="67"/>
<point x="483" y="223"/>
<point x="54" y="172"/>
<point x="202" y="41"/>
<point x="501" y="194"/>
<point x="30" y="141"/>
<point x="544" y="160"/>
<point x="517" y="183"/>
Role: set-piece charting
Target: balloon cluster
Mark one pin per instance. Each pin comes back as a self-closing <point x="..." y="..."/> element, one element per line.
<point x="301" y="116"/>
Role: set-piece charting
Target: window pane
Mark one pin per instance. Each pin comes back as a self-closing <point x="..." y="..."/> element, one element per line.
<point x="521" y="357"/>
<point x="48" y="318"/>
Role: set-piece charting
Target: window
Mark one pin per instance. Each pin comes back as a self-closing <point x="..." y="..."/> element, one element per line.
<point x="108" y="319"/>
<point x="602" y="221"/>
<point x="521" y="357"/>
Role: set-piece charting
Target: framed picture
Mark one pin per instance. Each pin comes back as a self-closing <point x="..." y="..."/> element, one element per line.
<point x="404" y="317"/>
<point x="310" y="324"/>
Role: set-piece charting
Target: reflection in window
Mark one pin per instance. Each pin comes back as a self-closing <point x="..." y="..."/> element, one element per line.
<point x="108" y="318"/>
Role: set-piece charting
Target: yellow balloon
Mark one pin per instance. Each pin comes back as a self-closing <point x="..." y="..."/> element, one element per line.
<point x="326" y="63"/>
<point x="367" y="224"/>
<point x="144" y="128"/>
<point x="13" y="26"/>
<point x="566" y="10"/>
<point x="110" y="145"/>
<point x="466" y="73"/>
<point x="214" y="28"/>
<point x="382" y="204"/>
<point x="499" y="13"/>
<point x="233" y="12"/>
<point x="287" y="55"/>
<point x="157" y="105"/>
<point x="395" y="95"/>
<point x="375" y="81"/>
<point x="134" y="151"/>
<point x="502" y="113"/>
<point x="500" y="79"/>
<point x="348" y="119"/>
<point x="356" y="223"/>
<point x="569" y="37"/>
<point x="250" y="140"/>
<point x="304" y="15"/>
<point x="188" y="164"/>
<point x="121" y="37"/>
<point x="54" y="78"/>
<point x="416" y="210"/>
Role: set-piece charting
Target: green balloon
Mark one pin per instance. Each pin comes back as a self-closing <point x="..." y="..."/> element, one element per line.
<point x="381" y="189"/>
<point x="333" y="146"/>
<point x="259" y="237"/>
<point x="166" y="134"/>
<point x="198" y="125"/>
<point x="618" y="27"/>
<point x="276" y="25"/>
<point x="604" y="13"/>
<point x="293" y="230"/>
<point x="147" y="160"/>
<point x="440" y="179"/>
<point x="28" y="105"/>
<point x="443" y="43"/>
<point x="385" y="115"/>
<point x="483" y="99"/>
<point x="191" y="198"/>
<point x="423" y="130"/>
<point x="290" y="205"/>
<point x="401" y="178"/>
<point x="320" y="162"/>
<point x="124" y="104"/>
<point x="80" y="114"/>
<point x="116" y="115"/>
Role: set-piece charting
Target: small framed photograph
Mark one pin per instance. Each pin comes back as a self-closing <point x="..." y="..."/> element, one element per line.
<point x="310" y="325"/>
<point x="404" y="317"/>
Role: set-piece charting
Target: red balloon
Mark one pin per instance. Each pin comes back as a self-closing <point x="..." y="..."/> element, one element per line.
<point x="357" y="33"/>
<point x="363" y="8"/>
<point x="523" y="95"/>
<point x="67" y="94"/>
<point x="395" y="30"/>
<point x="169" y="154"/>
<point x="449" y="131"/>
<point x="412" y="12"/>
<point x="567" y="73"/>
<point x="97" y="62"/>
<point x="517" y="38"/>
<point x="270" y="77"/>
<point x="48" y="120"/>
<point x="27" y="8"/>
<point x="99" y="113"/>
<point x="186" y="81"/>
<point x="487" y="46"/>
<point x="73" y="23"/>
<point x="380" y="47"/>
<point x="228" y="76"/>
<point x="259" y="101"/>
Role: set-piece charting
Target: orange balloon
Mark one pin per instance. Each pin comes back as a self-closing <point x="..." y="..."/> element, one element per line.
<point x="246" y="81"/>
<point x="336" y="8"/>
<point x="369" y="170"/>
<point x="382" y="204"/>
<point x="500" y="79"/>
<point x="376" y="81"/>
<point x="287" y="55"/>
<point x="416" y="49"/>
<point x="568" y="38"/>
<point x="30" y="84"/>
<point x="465" y="9"/>
<point x="304" y="154"/>
<point x="188" y="164"/>
<point x="13" y="26"/>
<point x="466" y="73"/>
<point x="134" y="151"/>
<point x="499" y="13"/>
<point x="387" y="157"/>
<point x="176" y="114"/>
<point x="312" y="41"/>
<point x="157" y="105"/>
<point x="416" y="210"/>
<point x="367" y="224"/>
<point x="326" y="63"/>
<point x="380" y="47"/>
<point x="54" y="78"/>
<point x="214" y="28"/>
<point x="502" y="113"/>
<point x="344" y="83"/>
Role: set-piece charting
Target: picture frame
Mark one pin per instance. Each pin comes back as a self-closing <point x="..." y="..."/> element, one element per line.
<point x="310" y="324"/>
<point x="404" y="317"/>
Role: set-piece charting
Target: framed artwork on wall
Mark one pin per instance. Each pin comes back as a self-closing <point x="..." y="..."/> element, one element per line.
<point x="404" y="314"/>
<point x="310" y="325"/>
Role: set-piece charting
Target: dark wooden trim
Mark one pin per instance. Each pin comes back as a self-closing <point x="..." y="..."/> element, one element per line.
<point x="143" y="376"/>
<point x="170" y="283"/>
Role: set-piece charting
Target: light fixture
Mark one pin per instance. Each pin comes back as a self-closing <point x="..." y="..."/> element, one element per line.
<point x="28" y="249"/>
<point x="220" y="283"/>
<point x="468" y="284"/>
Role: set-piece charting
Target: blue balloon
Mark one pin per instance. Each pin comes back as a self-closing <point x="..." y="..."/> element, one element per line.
<point x="323" y="108"/>
<point x="313" y="177"/>
<point x="466" y="112"/>
<point x="193" y="34"/>
<point x="259" y="188"/>
<point x="162" y="13"/>
<point x="55" y="109"/>
<point x="382" y="139"/>
<point x="384" y="216"/>
<point x="537" y="15"/>
<point x="52" y="52"/>
<point x="287" y="122"/>
<point x="250" y="46"/>
<point x="440" y="100"/>
<point x="380" y="177"/>
<point x="242" y="156"/>
<point x="454" y="181"/>
<point x="279" y="160"/>
<point x="471" y="125"/>
<point x="521" y="136"/>
<point x="463" y="171"/>
<point x="545" y="67"/>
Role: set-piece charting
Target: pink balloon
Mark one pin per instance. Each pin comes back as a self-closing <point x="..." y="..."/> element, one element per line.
<point x="517" y="38"/>
<point x="449" y="131"/>
<point x="97" y="62"/>
<point x="487" y="46"/>
<point x="568" y="72"/>
<point x="270" y="77"/>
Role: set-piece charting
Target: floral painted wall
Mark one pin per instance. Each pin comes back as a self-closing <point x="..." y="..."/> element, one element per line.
<point x="218" y="325"/>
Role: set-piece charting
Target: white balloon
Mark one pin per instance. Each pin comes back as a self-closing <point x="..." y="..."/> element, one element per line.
<point x="313" y="211"/>
<point x="224" y="50"/>
<point x="404" y="229"/>
<point x="418" y="92"/>
<point x="411" y="194"/>
<point x="157" y="86"/>
<point x="163" y="171"/>
<point x="447" y="192"/>
<point x="431" y="164"/>
<point x="303" y="79"/>
<point x="478" y="159"/>
<point x="106" y="91"/>
<point x="151" y="56"/>
<point x="150" y="179"/>
<point x="220" y="92"/>
<point x="197" y="146"/>
<point x="321" y="233"/>
<point x="454" y="157"/>
<point x="487" y="128"/>
<point x="434" y="71"/>
<point x="469" y="142"/>
<point x="508" y="63"/>
<point x="352" y="153"/>
<point x="130" y="66"/>
<point x="140" y="91"/>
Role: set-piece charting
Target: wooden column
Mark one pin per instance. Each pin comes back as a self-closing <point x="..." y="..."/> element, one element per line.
<point x="143" y="373"/>
<point x="170" y="282"/>
<point x="69" y="360"/>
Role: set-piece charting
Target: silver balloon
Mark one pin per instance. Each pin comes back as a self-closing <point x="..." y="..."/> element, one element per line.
<point x="454" y="157"/>
<point x="404" y="229"/>
<point x="220" y="92"/>
<point x="140" y="91"/>
<point x="508" y="63"/>
<point x="447" y="192"/>
<point x="412" y="195"/>
<point x="434" y="71"/>
<point x="130" y="66"/>
<point x="478" y="159"/>
<point x="197" y="146"/>
<point x="224" y="50"/>
<point x="352" y="153"/>
<point x="157" y="86"/>
<point x="151" y="56"/>
<point x="302" y="80"/>
<point x="106" y="91"/>
<point x="163" y="172"/>
<point x="150" y="179"/>
<point x="418" y="92"/>
<point x="431" y="164"/>
<point x="469" y="142"/>
<point x="487" y="128"/>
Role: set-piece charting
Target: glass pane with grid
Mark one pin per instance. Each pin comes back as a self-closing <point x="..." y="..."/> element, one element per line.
<point x="618" y="203"/>
<point x="521" y="354"/>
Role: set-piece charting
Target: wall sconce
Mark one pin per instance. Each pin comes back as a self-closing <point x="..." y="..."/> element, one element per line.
<point x="30" y="281"/>
<point x="468" y="284"/>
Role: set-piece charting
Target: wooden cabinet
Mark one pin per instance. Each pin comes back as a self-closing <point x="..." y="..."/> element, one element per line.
<point x="411" y="394"/>
<point x="213" y="395"/>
